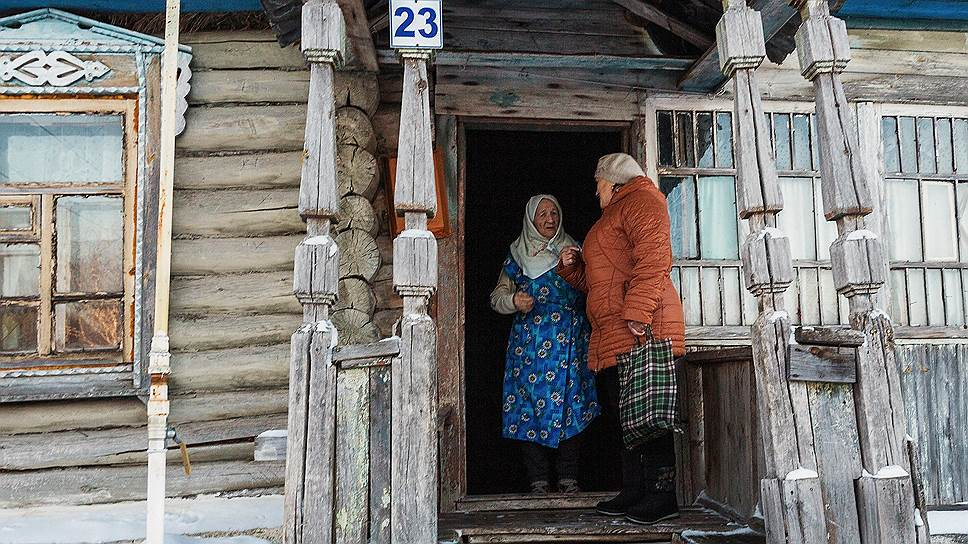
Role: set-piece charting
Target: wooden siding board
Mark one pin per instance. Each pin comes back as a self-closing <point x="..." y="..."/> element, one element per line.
<point x="221" y="255"/>
<point x="254" y="293"/>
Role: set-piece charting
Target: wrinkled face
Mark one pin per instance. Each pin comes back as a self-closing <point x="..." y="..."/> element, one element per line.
<point x="604" y="190"/>
<point x="546" y="219"/>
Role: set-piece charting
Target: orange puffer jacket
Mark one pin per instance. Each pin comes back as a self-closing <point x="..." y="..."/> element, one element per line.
<point x="627" y="258"/>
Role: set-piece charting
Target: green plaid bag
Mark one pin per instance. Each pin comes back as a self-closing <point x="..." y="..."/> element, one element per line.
<point x="648" y="402"/>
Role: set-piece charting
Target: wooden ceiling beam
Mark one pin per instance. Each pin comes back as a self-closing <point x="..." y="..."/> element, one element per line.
<point x="705" y="75"/>
<point x="358" y="35"/>
<point x="658" y="17"/>
<point x="545" y="60"/>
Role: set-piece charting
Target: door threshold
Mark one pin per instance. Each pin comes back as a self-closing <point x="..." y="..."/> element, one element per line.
<point x="527" y="501"/>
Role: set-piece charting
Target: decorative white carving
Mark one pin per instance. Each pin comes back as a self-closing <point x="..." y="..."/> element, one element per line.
<point x="57" y="68"/>
<point x="182" y="87"/>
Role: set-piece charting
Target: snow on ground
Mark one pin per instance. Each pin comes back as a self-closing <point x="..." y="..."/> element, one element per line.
<point x="125" y="521"/>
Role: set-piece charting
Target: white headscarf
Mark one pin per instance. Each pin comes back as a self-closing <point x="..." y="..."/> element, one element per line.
<point x="532" y="251"/>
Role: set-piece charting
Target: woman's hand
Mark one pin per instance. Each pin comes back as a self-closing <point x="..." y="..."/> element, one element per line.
<point x="570" y="256"/>
<point x="637" y="328"/>
<point x="523" y="302"/>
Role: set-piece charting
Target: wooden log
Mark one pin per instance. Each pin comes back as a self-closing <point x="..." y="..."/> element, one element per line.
<point x="249" y="171"/>
<point x="356" y="294"/>
<point x="216" y="331"/>
<point x="789" y="513"/>
<point x="355" y="327"/>
<point x="248" y="86"/>
<point x="352" y="456"/>
<point x="882" y="498"/>
<point x="353" y="127"/>
<point x="248" y="367"/>
<point x="243" y="128"/>
<point x="234" y="212"/>
<point x="220" y="255"/>
<point x="247" y="293"/>
<point x="61" y="415"/>
<point x="386" y="126"/>
<point x="117" y="446"/>
<point x="241" y="50"/>
<point x="320" y="511"/>
<point x="356" y="171"/>
<point x="384" y="320"/>
<point x="356" y="212"/>
<point x="360" y="256"/>
<point x="357" y="89"/>
<point x="112" y="484"/>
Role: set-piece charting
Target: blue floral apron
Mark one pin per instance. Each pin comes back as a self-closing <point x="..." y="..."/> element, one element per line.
<point x="549" y="393"/>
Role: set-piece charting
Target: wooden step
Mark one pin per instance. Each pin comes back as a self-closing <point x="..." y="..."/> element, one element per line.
<point x="581" y="525"/>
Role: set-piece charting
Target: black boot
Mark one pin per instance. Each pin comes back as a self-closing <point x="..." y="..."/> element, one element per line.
<point x="659" y="502"/>
<point x="632" y="486"/>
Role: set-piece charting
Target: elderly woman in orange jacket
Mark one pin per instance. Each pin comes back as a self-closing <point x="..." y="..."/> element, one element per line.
<point x="625" y="268"/>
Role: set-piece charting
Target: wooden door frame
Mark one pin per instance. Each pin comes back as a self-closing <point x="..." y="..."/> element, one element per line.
<point x="450" y="311"/>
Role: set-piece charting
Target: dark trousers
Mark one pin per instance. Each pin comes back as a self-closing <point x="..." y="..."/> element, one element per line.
<point x="658" y="452"/>
<point x="538" y="460"/>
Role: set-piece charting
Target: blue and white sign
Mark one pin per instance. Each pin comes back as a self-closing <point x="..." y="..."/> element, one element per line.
<point x="416" y="24"/>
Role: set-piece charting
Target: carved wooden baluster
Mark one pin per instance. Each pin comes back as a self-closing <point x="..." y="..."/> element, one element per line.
<point x="790" y="493"/>
<point x="414" y="405"/>
<point x="310" y="502"/>
<point x="884" y="492"/>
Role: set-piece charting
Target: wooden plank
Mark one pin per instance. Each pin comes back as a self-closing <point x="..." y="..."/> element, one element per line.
<point x="828" y="336"/>
<point x="246" y="293"/>
<point x="815" y="364"/>
<point x="250" y="171"/>
<point x="380" y="469"/>
<point x="600" y="62"/>
<point x="934" y="41"/>
<point x="271" y="445"/>
<point x="115" y="446"/>
<point x="320" y="515"/>
<point x="230" y="369"/>
<point x="237" y="212"/>
<point x="220" y="256"/>
<point x="241" y="50"/>
<point x="216" y="331"/>
<point x="389" y="347"/>
<point x="658" y="17"/>
<point x="74" y="386"/>
<point x="113" y="484"/>
<point x="352" y="456"/>
<point x="297" y="427"/>
<point x="243" y="128"/>
<point x="248" y="86"/>
<point x="52" y="416"/>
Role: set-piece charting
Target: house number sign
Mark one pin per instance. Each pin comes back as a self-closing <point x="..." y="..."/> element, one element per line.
<point x="416" y="24"/>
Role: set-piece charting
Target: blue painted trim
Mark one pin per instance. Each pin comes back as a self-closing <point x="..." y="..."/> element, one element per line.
<point x="137" y="6"/>
<point x="905" y="24"/>
<point x="927" y="10"/>
<point x="95" y="28"/>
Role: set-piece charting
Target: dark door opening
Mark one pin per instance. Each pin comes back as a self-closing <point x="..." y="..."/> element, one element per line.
<point x="504" y="168"/>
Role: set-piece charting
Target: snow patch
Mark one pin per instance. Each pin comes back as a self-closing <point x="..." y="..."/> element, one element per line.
<point x="861" y="234"/>
<point x="887" y="472"/>
<point x="801" y="474"/>
<point x="732" y="532"/>
<point x="275" y="433"/>
<point x="777" y="315"/>
<point x="98" y="523"/>
<point x="918" y="522"/>
<point x="948" y="522"/>
<point x="772" y="232"/>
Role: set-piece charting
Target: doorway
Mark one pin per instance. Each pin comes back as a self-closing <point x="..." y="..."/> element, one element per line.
<point x="504" y="168"/>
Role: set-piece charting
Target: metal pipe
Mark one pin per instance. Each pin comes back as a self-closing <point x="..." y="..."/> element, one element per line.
<point x="158" y="366"/>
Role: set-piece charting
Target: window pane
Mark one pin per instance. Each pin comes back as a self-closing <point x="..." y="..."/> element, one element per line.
<point x="717" y="218"/>
<point x="704" y="137"/>
<point x="15" y="218"/>
<point x="87" y="325"/>
<point x="18" y="329"/>
<point x="905" y="220"/>
<point x="899" y="305"/>
<point x="945" y="165"/>
<point x="917" y="300"/>
<point x="686" y="149"/>
<point x="892" y="157"/>
<point x="89" y="244"/>
<point x="962" y="192"/>
<point x="926" y="145"/>
<point x="940" y="242"/>
<point x="681" y="197"/>
<point x="19" y="270"/>
<point x="796" y="219"/>
<point x="781" y="139"/>
<point x="960" y="138"/>
<point x="909" y="150"/>
<point x="664" y="128"/>
<point x="88" y="148"/>
<point x="801" y="142"/>
<point x="724" y="140"/>
<point x="691" y="306"/>
<point x="712" y="303"/>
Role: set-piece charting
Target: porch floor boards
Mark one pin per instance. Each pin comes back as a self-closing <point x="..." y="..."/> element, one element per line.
<point x="581" y="525"/>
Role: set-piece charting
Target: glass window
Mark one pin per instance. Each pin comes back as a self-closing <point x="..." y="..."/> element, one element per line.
<point x="717" y="218"/>
<point x="681" y="197"/>
<point x="88" y="148"/>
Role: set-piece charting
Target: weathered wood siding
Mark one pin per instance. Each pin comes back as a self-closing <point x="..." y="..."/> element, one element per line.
<point x="934" y="379"/>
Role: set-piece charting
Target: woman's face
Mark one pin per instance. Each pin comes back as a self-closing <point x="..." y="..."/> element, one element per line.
<point x="604" y="190"/>
<point x="546" y="219"/>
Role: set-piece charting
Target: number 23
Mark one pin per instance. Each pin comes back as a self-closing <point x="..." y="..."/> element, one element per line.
<point x="430" y="19"/>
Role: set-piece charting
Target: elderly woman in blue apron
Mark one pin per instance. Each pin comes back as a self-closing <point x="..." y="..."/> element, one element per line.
<point x="549" y="393"/>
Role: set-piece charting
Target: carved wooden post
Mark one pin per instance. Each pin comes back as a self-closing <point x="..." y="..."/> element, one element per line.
<point x="790" y="494"/>
<point x="310" y="502"/>
<point x="414" y="406"/>
<point x="884" y="492"/>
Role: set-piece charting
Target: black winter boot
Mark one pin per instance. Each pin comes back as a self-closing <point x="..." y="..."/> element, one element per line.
<point x="632" y="486"/>
<point x="659" y="502"/>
